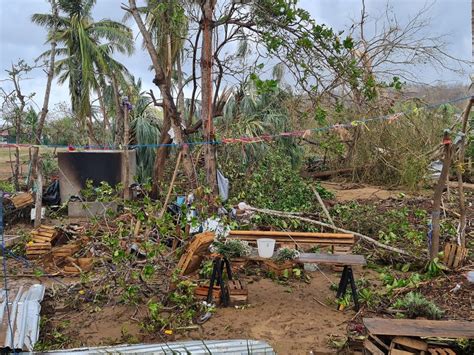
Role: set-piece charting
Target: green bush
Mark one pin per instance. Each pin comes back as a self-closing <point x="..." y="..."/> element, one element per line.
<point x="416" y="305"/>
<point x="275" y="184"/>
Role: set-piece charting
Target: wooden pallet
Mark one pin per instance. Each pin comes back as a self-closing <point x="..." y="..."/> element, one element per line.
<point x="277" y="268"/>
<point x="201" y="292"/>
<point x="42" y="239"/>
<point x="22" y="200"/>
<point x="454" y="255"/>
<point x="64" y="251"/>
<point x="408" y="345"/>
<point x="238" y="292"/>
<point x="441" y="351"/>
<point x="76" y="265"/>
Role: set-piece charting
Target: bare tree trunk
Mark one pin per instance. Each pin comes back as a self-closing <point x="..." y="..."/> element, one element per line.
<point x="47" y="93"/>
<point x="459" y="171"/>
<point x="119" y="112"/>
<point x="169" y="106"/>
<point x="106" y="124"/>
<point x="90" y="132"/>
<point x="206" y="94"/>
<point x="438" y="193"/>
<point x="161" y="155"/>
<point x="179" y="74"/>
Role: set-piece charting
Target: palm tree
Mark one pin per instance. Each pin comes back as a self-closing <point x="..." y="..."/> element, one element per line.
<point x="86" y="52"/>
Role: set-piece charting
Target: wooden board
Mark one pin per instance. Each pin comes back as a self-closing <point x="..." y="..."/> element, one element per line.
<point x="322" y="258"/>
<point x="420" y="328"/>
<point x="454" y="255"/>
<point x="410" y="343"/>
<point x="22" y="200"/>
<point x="372" y="348"/>
<point x="289" y="234"/>
<point x="200" y="243"/>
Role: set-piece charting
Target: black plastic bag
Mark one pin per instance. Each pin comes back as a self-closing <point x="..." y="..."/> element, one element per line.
<point x="51" y="197"/>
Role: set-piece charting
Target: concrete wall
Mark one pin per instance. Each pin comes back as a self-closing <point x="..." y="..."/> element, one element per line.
<point x="75" y="168"/>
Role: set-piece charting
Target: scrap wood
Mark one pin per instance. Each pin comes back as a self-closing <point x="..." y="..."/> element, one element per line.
<point x="199" y="244"/>
<point x="410" y="343"/>
<point x="420" y="327"/>
<point x="22" y="200"/>
<point x="454" y="255"/>
<point x="312" y="221"/>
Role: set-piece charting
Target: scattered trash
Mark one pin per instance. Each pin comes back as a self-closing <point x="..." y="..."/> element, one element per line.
<point x="456" y="288"/>
<point x="470" y="276"/>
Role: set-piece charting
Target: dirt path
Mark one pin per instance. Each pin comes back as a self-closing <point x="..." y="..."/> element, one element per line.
<point x="345" y="192"/>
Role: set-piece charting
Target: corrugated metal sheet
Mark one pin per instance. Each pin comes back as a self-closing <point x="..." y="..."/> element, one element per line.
<point x="24" y="307"/>
<point x="196" y="347"/>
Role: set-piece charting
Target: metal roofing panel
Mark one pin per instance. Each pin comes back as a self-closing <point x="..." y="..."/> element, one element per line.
<point x="198" y="347"/>
<point x="19" y="323"/>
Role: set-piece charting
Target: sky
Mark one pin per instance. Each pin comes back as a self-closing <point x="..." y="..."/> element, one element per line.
<point x="19" y="38"/>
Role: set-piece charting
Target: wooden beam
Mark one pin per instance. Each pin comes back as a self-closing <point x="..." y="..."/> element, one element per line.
<point x="420" y="327"/>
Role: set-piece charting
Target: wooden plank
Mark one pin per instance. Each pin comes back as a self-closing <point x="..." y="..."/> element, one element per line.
<point x="447" y="251"/>
<point x="200" y="241"/>
<point x="452" y="254"/>
<point x="320" y="258"/>
<point x="292" y="234"/>
<point x="459" y="256"/>
<point x="420" y="327"/>
<point x="411" y="343"/>
<point x="372" y="348"/>
<point x="51" y="228"/>
<point x="321" y="241"/>
<point x="400" y="352"/>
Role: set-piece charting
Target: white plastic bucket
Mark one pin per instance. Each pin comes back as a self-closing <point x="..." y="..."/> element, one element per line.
<point x="265" y="247"/>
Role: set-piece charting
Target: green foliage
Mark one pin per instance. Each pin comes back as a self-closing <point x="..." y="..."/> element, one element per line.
<point x="7" y="186"/>
<point x="87" y="45"/>
<point x="416" y="305"/>
<point x="434" y="268"/>
<point x="232" y="248"/>
<point x="49" y="164"/>
<point x="286" y="254"/>
<point x="274" y="184"/>
<point x="103" y="193"/>
<point x="367" y="297"/>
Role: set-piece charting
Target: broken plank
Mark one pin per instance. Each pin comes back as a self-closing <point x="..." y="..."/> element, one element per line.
<point x="372" y="348"/>
<point x="410" y="343"/>
<point x="420" y="327"/>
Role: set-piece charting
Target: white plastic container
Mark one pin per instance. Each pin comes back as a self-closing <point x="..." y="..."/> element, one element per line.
<point x="266" y="247"/>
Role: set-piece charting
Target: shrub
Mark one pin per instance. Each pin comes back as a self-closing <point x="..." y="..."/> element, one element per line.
<point x="416" y="305"/>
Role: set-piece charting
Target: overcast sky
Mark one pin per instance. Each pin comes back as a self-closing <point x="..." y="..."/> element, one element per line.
<point x="19" y="38"/>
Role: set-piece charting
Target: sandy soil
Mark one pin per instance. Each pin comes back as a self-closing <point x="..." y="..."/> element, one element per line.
<point x="351" y="192"/>
<point x="289" y="317"/>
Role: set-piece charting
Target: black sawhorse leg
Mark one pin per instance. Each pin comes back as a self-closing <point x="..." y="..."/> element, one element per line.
<point x="346" y="277"/>
<point x="217" y="278"/>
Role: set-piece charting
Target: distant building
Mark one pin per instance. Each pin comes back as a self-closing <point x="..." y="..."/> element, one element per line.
<point x="5" y="136"/>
